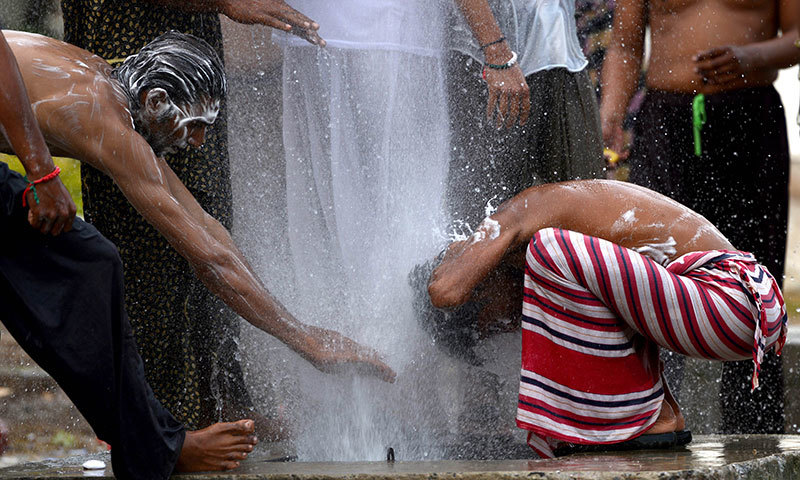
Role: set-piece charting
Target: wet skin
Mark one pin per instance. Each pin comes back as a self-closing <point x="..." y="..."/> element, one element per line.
<point x="622" y="213"/>
<point x="697" y="46"/>
<point x="488" y="267"/>
<point x="184" y="127"/>
<point x="686" y="34"/>
<point x="218" y="447"/>
<point x="54" y="211"/>
<point x="83" y="113"/>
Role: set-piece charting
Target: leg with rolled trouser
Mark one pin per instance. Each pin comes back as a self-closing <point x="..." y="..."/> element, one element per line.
<point x="62" y="301"/>
<point x="740" y="183"/>
<point x="593" y="309"/>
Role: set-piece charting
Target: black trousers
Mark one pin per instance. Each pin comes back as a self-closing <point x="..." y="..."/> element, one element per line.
<point x="741" y="184"/>
<point x="62" y="300"/>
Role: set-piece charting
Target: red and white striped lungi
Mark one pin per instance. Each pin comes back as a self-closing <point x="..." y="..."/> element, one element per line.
<point x="594" y="314"/>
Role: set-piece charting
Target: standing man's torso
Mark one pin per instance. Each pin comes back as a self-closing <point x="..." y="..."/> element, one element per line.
<point x="682" y="28"/>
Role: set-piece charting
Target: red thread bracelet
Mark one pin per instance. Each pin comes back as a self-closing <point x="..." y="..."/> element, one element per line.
<point x="32" y="186"/>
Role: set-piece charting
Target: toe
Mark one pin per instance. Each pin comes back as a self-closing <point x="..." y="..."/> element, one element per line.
<point x="237" y="456"/>
<point x="241" y="427"/>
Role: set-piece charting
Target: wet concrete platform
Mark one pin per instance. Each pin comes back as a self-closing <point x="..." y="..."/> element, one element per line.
<point x="709" y="457"/>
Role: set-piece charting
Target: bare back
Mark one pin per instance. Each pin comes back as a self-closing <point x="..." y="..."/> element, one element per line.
<point x="76" y="103"/>
<point x="620" y="212"/>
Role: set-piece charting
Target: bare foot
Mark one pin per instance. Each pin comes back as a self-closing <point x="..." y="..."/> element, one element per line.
<point x="268" y="429"/>
<point x="680" y="422"/>
<point x="218" y="447"/>
<point x="666" y="422"/>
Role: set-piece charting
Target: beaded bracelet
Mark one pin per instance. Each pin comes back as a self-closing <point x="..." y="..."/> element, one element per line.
<point x="506" y="65"/>
<point x="499" y="40"/>
<point x="32" y="186"/>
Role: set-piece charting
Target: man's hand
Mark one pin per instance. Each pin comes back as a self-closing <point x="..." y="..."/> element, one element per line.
<point x="273" y="13"/>
<point x="612" y="117"/>
<point x="509" y="95"/>
<point x="723" y="65"/>
<point x="332" y="352"/>
<point x="614" y="135"/>
<point x="55" y="211"/>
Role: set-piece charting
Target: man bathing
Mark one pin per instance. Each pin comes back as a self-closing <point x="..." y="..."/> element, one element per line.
<point x="120" y="121"/>
<point x="612" y="272"/>
<point x="61" y="281"/>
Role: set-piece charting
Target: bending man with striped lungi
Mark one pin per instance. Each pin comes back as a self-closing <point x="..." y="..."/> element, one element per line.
<point x="612" y="272"/>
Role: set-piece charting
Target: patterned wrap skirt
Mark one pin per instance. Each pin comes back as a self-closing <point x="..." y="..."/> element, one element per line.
<point x="595" y="315"/>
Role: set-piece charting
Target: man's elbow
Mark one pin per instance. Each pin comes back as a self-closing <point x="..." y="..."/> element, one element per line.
<point x="211" y="263"/>
<point x="445" y="296"/>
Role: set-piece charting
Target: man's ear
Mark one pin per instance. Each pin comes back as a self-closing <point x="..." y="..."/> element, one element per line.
<point x="156" y="101"/>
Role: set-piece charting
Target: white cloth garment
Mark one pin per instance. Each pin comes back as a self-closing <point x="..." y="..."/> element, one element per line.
<point x="414" y="26"/>
<point x="365" y="131"/>
<point x="542" y="32"/>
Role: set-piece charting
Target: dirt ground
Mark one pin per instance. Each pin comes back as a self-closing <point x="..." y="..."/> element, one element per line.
<point x="42" y="421"/>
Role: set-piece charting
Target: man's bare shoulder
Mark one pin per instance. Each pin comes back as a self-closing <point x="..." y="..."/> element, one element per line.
<point x="53" y="69"/>
<point x="600" y="194"/>
<point x="72" y="94"/>
<point x="28" y="47"/>
<point x="588" y="202"/>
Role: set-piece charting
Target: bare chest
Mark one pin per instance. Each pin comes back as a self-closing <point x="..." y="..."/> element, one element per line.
<point x="711" y="7"/>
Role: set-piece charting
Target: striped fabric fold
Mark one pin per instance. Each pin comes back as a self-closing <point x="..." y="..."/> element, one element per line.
<point x="595" y="314"/>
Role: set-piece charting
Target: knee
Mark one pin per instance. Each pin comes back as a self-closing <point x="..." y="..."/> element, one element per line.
<point x="542" y="248"/>
<point x="544" y="239"/>
<point x="96" y="248"/>
<point x="104" y="250"/>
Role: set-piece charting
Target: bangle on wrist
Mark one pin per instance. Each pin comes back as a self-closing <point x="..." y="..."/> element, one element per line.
<point x="503" y="66"/>
<point x="499" y="40"/>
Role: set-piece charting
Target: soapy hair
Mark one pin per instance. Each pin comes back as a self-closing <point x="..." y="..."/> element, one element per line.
<point x="185" y="66"/>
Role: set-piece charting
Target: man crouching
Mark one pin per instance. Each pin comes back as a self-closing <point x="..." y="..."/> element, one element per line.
<point x="612" y="272"/>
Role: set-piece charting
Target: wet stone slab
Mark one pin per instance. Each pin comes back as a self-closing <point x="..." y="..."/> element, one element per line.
<point x="709" y="457"/>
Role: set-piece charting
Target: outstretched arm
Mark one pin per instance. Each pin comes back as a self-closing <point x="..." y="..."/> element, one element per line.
<point x="272" y="13"/>
<point x="156" y="192"/>
<point x="54" y="211"/>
